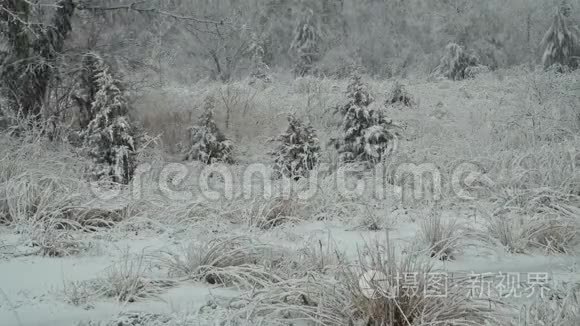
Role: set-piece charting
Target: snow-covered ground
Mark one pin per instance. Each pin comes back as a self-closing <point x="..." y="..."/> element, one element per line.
<point x="146" y="254"/>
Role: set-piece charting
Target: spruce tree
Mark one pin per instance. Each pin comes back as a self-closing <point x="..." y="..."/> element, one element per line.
<point x="368" y="136"/>
<point x="207" y="143"/>
<point x="298" y="151"/>
<point x="306" y="45"/>
<point x="561" y="42"/>
<point x="109" y="136"/>
<point x="455" y="63"/>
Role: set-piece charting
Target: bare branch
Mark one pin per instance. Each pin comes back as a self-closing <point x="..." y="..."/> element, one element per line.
<point x="134" y="7"/>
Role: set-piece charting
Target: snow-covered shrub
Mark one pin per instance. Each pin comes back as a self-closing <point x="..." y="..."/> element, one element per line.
<point x="298" y="151"/>
<point x="207" y="143"/>
<point x="455" y="62"/>
<point x="398" y="95"/>
<point x="474" y="71"/>
<point x="368" y="136"/>
<point x="109" y="137"/>
<point x="561" y="42"/>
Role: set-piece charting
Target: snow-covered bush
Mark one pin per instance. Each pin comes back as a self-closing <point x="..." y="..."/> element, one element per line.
<point x="109" y="137"/>
<point x="455" y="62"/>
<point x="562" y="41"/>
<point x="298" y="151"/>
<point x="207" y="143"/>
<point x="398" y="95"/>
<point x="474" y="71"/>
<point x="368" y="136"/>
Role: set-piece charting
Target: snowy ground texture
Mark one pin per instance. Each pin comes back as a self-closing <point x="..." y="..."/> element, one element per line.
<point x="498" y="248"/>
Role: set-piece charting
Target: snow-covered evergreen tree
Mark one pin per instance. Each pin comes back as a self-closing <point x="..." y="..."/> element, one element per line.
<point x="305" y="44"/>
<point x="109" y="136"/>
<point x="455" y="63"/>
<point x="207" y="143"/>
<point x="298" y="151"/>
<point x="562" y="41"/>
<point x="368" y="136"/>
<point x="357" y="95"/>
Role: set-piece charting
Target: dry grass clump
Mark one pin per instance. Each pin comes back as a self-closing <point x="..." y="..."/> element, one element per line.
<point x="561" y="308"/>
<point x="317" y="256"/>
<point x="53" y="240"/>
<point x="521" y="233"/>
<point x="126" y="281"/>
<point x="272" y="212"/>
<point x="92" y="219"/>
<point x="329" y="203"/>
<point x="141" y="318"/>
<point x="61" y="234"/>
<point x="535" y="197"/>
<point x="229" y="260"/>
<point x="44" y="195"/>
<point x="443" y="239"/>
<point x="370" y="216"/>
<point x="36" y="183"/>
<point x="513" y="233"/>
<point x="79" y="293"/>
<point x="412" y="293"/>
<point x="536" y="201"/>
<point x="40" y="179"/>
<point x="312" y="299"/>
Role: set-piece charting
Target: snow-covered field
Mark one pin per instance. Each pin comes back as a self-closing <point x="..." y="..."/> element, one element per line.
<point x="164" y="253"/>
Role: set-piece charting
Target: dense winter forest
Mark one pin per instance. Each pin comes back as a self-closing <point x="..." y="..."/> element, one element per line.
<point x="289" y="162"/>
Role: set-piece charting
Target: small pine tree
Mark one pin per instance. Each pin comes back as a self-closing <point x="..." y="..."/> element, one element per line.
<point x="207" y="143"/>
<point x="305" y="44"/>
<point x="357" y="95"/>
<point x="455" y="62"/>
<point x="298" y="151"/>
<point x="561" y="42"/>
<point x="368" y="135"/>
<point x="109" y="136"/>
<point x="399" y="96"/>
